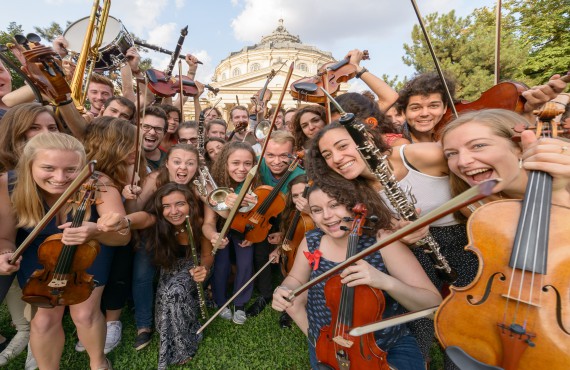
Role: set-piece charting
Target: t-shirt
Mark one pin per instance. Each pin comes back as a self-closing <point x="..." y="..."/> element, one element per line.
<point x="154" y="165"/>
<point x="267" y="177"/>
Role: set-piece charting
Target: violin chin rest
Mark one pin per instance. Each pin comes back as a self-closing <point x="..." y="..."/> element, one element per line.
<point x="306" y="87"/>
<point x="465" y="362"/>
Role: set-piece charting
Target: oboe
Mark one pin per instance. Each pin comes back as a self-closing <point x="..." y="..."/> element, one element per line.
<point x="380" y="167"/>
<point x="201" y="295"/>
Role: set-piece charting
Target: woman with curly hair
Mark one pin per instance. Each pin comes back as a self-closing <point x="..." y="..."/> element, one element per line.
<point x="394" y="270"/>
<point x="230" y="170"/>
<point x="307" y="122"/>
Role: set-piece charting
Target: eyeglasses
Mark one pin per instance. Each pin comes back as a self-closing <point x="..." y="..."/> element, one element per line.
<point x="147" y="128"/>
<point x="186" y="141"/>
<point x="282" y="157"/>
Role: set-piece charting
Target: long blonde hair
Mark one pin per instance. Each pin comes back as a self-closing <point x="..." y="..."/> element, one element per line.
<point x="26" y="198"/>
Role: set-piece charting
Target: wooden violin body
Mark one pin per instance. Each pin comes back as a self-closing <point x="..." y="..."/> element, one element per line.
<point x="336" y="346"/>
<point x="289" y="247"/>
<point x="329" y="77"/>
<point x="505" y="95"/>
<point x="49" y="287"/>
<point x="482" y="321"/>
<point x="256" y="223"/>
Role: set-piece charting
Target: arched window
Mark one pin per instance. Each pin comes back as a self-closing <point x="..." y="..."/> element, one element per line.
<point x="254" y="67"/>
<point x="302" y="67"/>
<point x="223" y="76"/>
<point x="236" y="72"/>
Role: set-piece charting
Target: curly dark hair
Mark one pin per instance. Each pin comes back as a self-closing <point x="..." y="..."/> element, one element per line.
<point x="351" y="192"/>
<point x="364" y="108"/>
<point x="220" y="167"/>
<point x="425" y="84"/>
<point x="162" y="243"/>
<point x="300" y="137"/>
<point x="210" y="161"/>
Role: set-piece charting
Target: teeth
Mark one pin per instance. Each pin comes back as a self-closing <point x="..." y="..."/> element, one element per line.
<point x="474" y="172"/>
<point x="346" y="165"/>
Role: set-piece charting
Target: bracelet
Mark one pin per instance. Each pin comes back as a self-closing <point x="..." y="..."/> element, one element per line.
<point x="126" y="229"/>
<point x="362" y="71"/>
<point x="281" y="287"/>
<point x="6" y="252"/>
<point x="64" y="103"/>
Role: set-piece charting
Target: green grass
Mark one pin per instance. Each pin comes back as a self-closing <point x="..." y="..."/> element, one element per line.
<point x="259" y="344"/>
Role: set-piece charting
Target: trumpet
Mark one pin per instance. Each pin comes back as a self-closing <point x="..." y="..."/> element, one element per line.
<point x="215" y="196"/>
<point x="261" y="129"/>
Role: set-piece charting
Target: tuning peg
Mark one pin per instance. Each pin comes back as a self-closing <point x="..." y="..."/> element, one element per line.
<point x="372" y="218"/>
<point x="32" y="37"/>
<point x="345" y="228"/>
<point x="3" y="48"/>
<point x="22" y="40"/>
<point x="348" y="219"/>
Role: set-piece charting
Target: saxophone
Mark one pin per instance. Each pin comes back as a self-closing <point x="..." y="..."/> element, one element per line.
<point x="380" y="167"/>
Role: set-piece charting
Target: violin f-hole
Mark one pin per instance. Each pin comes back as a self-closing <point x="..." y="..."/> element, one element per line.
<point x="546" y="288"/>
<point x="470" y="298"/>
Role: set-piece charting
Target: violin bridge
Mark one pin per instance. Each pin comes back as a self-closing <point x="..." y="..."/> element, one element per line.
<point x="343" y="341"/>
<point x="57" y="283"/>
<point x="523" y="301"/>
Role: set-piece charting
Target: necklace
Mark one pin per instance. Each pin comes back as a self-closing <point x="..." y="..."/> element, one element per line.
<point x="181" y="231"/>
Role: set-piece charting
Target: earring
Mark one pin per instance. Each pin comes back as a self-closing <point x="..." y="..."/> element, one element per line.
<point x="520" y="163"/>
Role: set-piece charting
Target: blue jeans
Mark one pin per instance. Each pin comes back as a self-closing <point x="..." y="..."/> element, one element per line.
<point x="143" y="287"/>
<point x="404" y="355"/>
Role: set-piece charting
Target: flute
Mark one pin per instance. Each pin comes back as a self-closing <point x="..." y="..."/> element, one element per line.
<point x="201" y="295"/>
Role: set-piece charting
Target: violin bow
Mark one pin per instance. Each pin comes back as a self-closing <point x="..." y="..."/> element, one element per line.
<point x="138" y="151"/>
<point x="181" y="87"/>
<point x="462" y="200"/>
<point x="392" y="321"/>
<point x="234" y="296"/>
<point x="498" y="42"/>
<point x="85" y="173"/>
<point x="434" y="57"/>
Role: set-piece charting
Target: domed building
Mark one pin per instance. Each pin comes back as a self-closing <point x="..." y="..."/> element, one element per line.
<point x="245" y="72"/>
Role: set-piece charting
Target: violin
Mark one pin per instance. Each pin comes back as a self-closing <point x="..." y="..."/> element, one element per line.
<point x="42" y="66"/>
<point x="161" y="83"/>
<point x="189" y="87"/>
<point x="63" y="281"/>
<point x="349" y="307"/>
<point x="256" y="223"/>
<point x="505" y="95"/>
<point x="516" y="313"/>
<point x="329" y="77"/>
<point x="299" y="224"/>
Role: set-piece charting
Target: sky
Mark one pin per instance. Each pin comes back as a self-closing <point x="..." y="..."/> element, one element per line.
<point x="218" y="27"/>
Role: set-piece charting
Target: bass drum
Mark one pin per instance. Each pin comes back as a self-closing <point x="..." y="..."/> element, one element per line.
<point x="116" y="41"/>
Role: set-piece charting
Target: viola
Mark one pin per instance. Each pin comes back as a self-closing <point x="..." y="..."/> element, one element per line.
<point x="256" y="223"/>
<point x="162" y="83"/>
<point x="329" y="77"/>
<point x="515" y="314"/>
<point x="349" y="307"/>
<point x="42" y="66"/>
<point x="299" y="224"/>
<point x="63" y="280"/>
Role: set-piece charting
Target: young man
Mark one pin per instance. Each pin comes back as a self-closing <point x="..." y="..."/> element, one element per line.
<point x="153" y="127"/>
<point x="239" y="117"/>
<point x="216" y="128"/>
<point x="119" y="106"/>
<point x="273" y="167"/>
<point x="100" y="90"/>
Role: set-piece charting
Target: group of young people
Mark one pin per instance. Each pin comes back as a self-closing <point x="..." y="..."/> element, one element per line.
<point x="161" y="221"/>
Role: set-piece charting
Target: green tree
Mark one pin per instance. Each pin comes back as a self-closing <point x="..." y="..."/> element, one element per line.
<point x="544" y="27"/>
<point x="465" y="48"/>
<point x="51" y="32"/>
<point x="8" y="37"/>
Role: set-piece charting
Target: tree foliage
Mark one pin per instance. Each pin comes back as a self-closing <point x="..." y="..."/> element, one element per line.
<point x="535" y="44"/>
<point x="8" y="37"/>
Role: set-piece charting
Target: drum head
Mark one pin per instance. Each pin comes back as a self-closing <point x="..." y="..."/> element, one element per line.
<point x="75" y="33"/>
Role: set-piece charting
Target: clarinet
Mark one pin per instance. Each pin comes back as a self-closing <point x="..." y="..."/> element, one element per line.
<point x="380" y="167"/>
<point x="203" y="173"/>
<point x="201" y="295"/>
